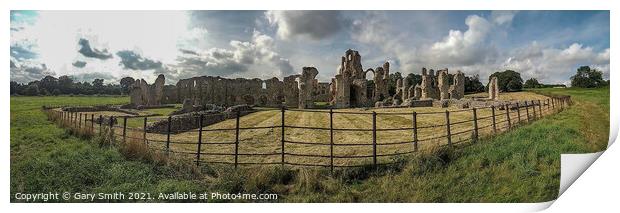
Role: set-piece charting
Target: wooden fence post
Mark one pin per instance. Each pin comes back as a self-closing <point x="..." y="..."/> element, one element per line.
<point x="475" y="124"/>
<point x="518" y="113"/>
<point x="199" y="140"/>
<point x="331" y="140"/>
<point x="112" y="129"/>
<point x="237" y="138"/>
<point x="527" y="111"/>
<point x="415" y="131"/>
<point x="540" y="109"/>
<point x="374" y="139"/>
<point x="493" y="116"/>
<point x="145" y="141"/>
<point x="534" y="110"/>
<point x="282" y="135"/>
<point x="168" y="135"/>
<point x="449" y="135"/>
<point x="548" y="105"/>
<point x="100" y="123"/>
<point x="92" y="123"/>
<point x="80" y="121"/>
<point x="553" y="103"/>
<point x="508" y="115"/>
<point x="124" y="128"/>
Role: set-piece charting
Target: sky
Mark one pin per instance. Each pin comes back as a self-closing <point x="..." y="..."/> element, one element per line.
<point x="546" y="45"/>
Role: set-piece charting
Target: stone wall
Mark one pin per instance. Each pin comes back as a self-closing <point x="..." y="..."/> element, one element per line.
<point x="189" y="121"/>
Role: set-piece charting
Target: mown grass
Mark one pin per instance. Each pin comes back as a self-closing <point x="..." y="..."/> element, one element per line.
<point x="522" y="165"/>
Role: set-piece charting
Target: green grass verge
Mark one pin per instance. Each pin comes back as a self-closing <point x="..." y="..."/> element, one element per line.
<point x="522" y="165"/>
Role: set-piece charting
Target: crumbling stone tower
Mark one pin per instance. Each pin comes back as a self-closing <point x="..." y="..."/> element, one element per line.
<point x="143" y="94"/>
<point x="350" y="88"/>
<point x="457" y="89"/>
<point x="307" y="84"/>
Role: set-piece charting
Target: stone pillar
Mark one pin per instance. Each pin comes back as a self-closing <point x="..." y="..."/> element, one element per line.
<point x="457" y="90"/>
<point x="306" y="87"/>
<point x="443" y="84"/>
<point x="493" y="89"/>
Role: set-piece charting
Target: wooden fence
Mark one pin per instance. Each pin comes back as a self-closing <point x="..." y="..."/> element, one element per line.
<point x="486" y="119"/>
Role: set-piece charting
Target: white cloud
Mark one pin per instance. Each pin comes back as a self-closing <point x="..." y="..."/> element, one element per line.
<point x="555" y="65"/>
<point x="502" y="17"/>
<point x="255" y="58"/>
<point x="466" y="48"/>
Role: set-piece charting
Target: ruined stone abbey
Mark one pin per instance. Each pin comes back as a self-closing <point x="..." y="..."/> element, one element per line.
<point x="349" y="88"/>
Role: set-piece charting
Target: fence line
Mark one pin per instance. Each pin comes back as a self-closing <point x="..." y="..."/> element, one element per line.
<point x="79" y="120"/>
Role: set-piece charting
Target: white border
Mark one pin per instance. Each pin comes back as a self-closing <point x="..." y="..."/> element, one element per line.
<point x="597" y="179"/>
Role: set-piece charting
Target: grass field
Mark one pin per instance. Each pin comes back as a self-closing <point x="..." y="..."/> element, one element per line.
<point x="521" y="165"/>
<point x="265" y="144"/>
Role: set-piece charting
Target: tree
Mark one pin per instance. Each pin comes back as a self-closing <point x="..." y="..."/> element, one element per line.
<point x="32" y="90"/>
<point x="414" y="79"/>
<point x="14" y="87"/>
<point x="392" y="83"/>
<point x="587" y="78"/>
<point x="473" y="84"/>
<point x="48" y="83"/>
<point x="508" y="81"/>
<point x="65" y="84"/>
<point x="126" y="83"/>
<point x="532" y="83"/>
<point x="98" y="83"/>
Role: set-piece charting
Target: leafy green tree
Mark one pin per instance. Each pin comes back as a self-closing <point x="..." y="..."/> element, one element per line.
<point x="126" y="83"/>
<point x="473" y="84"/>
<point x="532" y="83"/>
<point x="65" y="84"/>
<point x="587" y="78"/>
<point x="508" y="81"/>
<point x="48" y="83"/>
<point x="98" y="83"/>
<point x="32" y="90"/>
<point x="392" y="83"/>
<point x="414" y="79"/>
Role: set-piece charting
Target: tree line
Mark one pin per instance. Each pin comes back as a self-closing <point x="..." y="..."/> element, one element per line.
<point x="64" y="85"/>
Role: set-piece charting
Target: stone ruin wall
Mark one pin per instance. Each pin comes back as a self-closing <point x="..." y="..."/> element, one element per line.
<point x="349" y="88"/>
<point x="230" y="92"/>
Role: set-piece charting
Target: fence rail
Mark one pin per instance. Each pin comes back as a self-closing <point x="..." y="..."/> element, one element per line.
<point x="454" y="130"/>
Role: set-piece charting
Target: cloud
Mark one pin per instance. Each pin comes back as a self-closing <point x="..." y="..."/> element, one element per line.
<point x="22" y="52"/>
<point x="314" y="24"/>
<point x="79" y="64"/>
<point x="87" y="51"/>
<point x="134" y="61"/>
<point x="502" y="17"/>
<point x="463" y="48"/>
<point x="29" y="72"/>
<point x="555" y="65"/>
<point x="255" y="58"/>
<point x="191" y="52"/>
